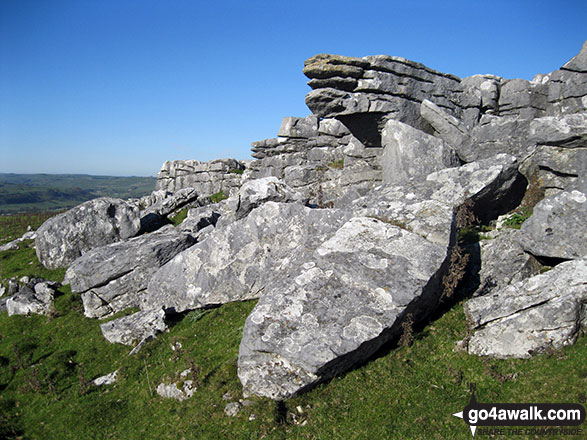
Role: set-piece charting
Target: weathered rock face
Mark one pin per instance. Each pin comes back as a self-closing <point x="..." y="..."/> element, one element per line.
<point x="113" y="278"/>
<point x="206" y="178"/>
<point x="268" y="189"/>
<point x="366" y="92"/>
<point x="139" y="326"/>
<point x="557" y="228"/>
<point x="543" y="312"/>
<point x="503" y="262"/>
<point x="65" y="237"/>
<point x="559" y="162"/>
<point x="329" y="309"/>
<point x="410" y="153"/>
<point x="235" y="262"/>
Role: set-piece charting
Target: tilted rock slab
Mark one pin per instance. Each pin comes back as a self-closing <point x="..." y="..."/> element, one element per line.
<point x="235" y="262"/>
<point x="64" y="238"/>
<point x="114" y="277"/>
<point x="544" y="312"/>
<point x="331" y="309"/>
<point x="557" y="227"/>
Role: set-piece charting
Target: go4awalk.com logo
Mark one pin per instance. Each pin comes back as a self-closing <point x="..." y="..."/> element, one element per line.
<point x="537" y="419"/>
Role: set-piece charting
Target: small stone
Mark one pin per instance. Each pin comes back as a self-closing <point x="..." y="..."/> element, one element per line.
<point x="232" y="409"/>
<point x="108" y="379"/>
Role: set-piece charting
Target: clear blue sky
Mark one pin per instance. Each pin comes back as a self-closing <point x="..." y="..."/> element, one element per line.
<point x="119" y="86"/>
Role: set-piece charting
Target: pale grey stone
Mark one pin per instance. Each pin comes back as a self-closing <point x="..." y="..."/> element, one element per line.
<point x="232" y="409"/>
<point x="65" y="237"/>
<point x="410" y="153"/>
<point x="328" y="310"/>
<point x="579" y="62"/>
<point x="176" y="391"/>
<point x="557" y="227"/>
<point x="530" y="316"/>
<point x="449" y="129"/>
<point x="268" y="189"/>
<point x="564" y="131"/>
<point x="503" y="262"/>
<point x="293" y="127"/>
<point x="108" y="379"/>
<point x="136" y="327"/>
<point x="206" y="178"/>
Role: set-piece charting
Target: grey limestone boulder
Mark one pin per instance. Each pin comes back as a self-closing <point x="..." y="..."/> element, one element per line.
<point x="544" y="312"/>
<point x="557" y="227"/>
<point x="410" y="153"/>
<point x="564" y="131"/>
<point x="235" y="262"/>
<point x="137" y="327"/>
<point x="579" y="62"/>
<point x="114" y="277"/>
<point x="330" y="311"/>
<point x="64" y="238"/>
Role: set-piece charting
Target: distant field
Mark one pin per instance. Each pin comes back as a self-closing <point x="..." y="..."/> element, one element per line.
<point x="52" y="192"/>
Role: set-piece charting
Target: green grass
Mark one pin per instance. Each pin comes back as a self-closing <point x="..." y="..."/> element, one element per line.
<point x="218" y="197"/>
<point x="179" y="217"/>
<point x="337" y="164"/>
<point x="404" y="393"/>
<point x="516" y="219"/>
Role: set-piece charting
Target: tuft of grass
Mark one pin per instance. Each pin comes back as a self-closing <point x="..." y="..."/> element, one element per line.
<point x="337" y="164"/>
<point x="179" y="217"/>
<point x="237" y="171"/>
<point x="516" y="219"/>
<point x="218" y="197"/>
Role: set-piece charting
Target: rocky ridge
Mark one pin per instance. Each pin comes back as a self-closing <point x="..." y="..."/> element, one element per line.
<point x="349" y="225"/>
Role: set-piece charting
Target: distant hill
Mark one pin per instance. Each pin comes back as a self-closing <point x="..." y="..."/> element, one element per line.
<point x="50" y="192"/>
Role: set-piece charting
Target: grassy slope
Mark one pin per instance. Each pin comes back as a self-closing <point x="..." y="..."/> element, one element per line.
<point x="34" y="192"/>
<point x="405" y="393"/>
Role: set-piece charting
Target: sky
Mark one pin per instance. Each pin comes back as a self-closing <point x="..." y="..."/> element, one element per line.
<point x="117" y="87"/>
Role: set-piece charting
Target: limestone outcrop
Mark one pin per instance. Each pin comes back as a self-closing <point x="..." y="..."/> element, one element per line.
<point x="207" y="178"/>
